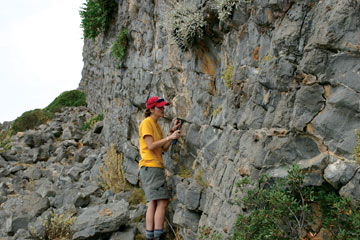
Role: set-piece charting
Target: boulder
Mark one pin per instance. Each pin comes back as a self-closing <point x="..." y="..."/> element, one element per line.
<point x="33" y="173"/>
<point x="24" y="209"/>
<point x="74" y="197"/>
<point x="101" y="219"/>
<point x="187" y="218"/>
<point x="339" y="173"/>
<point x="352" y="189"/>
<point x="126" y="233"/>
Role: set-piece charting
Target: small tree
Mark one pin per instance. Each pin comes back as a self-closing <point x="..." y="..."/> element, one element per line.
<point x="284" y="209"/>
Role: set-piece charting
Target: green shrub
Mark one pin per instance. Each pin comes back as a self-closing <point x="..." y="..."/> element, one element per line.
<point x="96" y="16"/>
<point x="5" y="136"/>
<point x="30" y="119"/>
<point x="91" y="122"/>
<point x="357" y="147"/>
<point x="227" y="75"/>
<point x="186" y="23"/>
<point x="225" y="8"/>
<point x="57" y="226"/>
<point x="286" y="209"/>
<point x="206" y="233"/>
<point x="118" y="49"/>
<point x="73" y="98"/>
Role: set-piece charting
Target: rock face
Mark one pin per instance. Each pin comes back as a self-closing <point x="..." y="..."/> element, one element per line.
<point x="294" y="98"/>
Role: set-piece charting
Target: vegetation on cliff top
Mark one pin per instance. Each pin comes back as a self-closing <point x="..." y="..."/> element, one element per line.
<point x="33" y="118"/>
<point x="30" y="119"/>
<point x="96" y="16"/>
<point x="74" y="98"/>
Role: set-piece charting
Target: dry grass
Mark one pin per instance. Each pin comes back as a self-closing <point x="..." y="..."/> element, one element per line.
<point x="137" y="196"/>
<point x="227" y="75"/>
<point x="199" y="178"/>
<point x="184" y="173"/>
<point x="357" y="147"/>
<point x="113" y="175"/>
<point x="57" y="226"/>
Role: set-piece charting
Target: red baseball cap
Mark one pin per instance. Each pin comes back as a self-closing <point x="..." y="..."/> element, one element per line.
<point x="156" y="102"/>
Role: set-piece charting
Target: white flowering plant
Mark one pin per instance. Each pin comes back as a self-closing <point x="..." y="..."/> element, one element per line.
<point x="225" y="8"/>
<point x="186" y="23"/>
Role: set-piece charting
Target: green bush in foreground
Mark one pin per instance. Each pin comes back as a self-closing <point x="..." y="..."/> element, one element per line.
<point x="30" y="119"/>
<point x="118" y="50"/>
<point x="73" y="98"/>
<point x="96" y="16"/>
<point x="287" y="209"/>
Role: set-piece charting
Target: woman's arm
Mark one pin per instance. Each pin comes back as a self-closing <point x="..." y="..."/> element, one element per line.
<point x="149" y="140"/>
<point x="176" y="125"/>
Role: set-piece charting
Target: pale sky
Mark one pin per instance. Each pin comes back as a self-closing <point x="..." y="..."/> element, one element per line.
<point x="40" y="53"/>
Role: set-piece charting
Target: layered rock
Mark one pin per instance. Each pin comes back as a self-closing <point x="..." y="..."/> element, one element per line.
<point x="294" y="98"/>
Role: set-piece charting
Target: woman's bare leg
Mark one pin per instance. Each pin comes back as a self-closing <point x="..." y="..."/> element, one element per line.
<point x="159" y="216"/>
<point x="150" y="215"/>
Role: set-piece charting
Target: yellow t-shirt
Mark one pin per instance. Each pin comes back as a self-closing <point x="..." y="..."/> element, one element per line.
<point x="150" y="158"/>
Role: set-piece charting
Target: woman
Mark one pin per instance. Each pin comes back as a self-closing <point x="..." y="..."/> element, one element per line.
<point x="152" y="174"/>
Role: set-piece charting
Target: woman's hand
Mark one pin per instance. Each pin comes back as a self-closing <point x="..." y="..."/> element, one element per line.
<point x="176" y="125"/>
<point x="174" y="135"/>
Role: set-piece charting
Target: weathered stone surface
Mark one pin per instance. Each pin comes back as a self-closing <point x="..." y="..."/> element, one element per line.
<point x="3" y="162"/>
<point x="339" y="173"/>
<point x="22" y="234"/>
<point x="338" y="134"/>
<point x="352" y="189"/>
<point x="308" y="103"/>
<point x="75" y="172"/>
<point x="187" y="218"/>
<point x="22" y="210"/>
<point x="33" y="173"/>
<point x="127" y="233"/>
<point x="74" y="197"/>
<point x="100" y="219"/>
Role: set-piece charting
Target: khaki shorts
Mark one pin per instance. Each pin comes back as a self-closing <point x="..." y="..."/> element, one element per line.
<point x="154" y="183"/>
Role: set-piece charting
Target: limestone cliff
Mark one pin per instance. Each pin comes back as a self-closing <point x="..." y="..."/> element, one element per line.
<point x="293" y="97"/>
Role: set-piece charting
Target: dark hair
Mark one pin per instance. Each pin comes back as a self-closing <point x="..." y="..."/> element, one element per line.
<point x="147" y="113"/>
